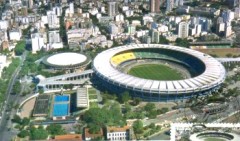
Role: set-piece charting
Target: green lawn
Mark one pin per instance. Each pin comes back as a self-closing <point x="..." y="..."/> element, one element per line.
<point x="93" y="105"/>
<point x="92" y="96"/>
<point x="213" y="139"/>
<point x="155" y="72"/>
<point x="91" y="91"/>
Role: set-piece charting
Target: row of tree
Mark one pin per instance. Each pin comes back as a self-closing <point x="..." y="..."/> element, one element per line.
<point x="40" y="133"/>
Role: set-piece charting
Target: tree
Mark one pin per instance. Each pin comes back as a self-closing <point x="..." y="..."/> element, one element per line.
<point x="136" y="101"/>
<point x="152" y="125"/>
<point x="25" y="121"/>
<point x="149" y="107"/>
<point x="138" y="127"/>
<point x="163" y="40"/>
<point x="38" y="133"/>
<point x="55" y="129"/>
<point x="17" y="88"/>
<point x="125" y="97"/>
<point x="97" y="116"/>
<point x="229" y="55"/>
<point x="182" y="42"/>
<point x="152" y="114"/>
<point x="20" y="48"/>
<point x="93" y="128"/>
<point x="41" y="91"/>
<point x="17" y="119"/>
<point x="23" y="134"/>
<point x="71" y="86"/>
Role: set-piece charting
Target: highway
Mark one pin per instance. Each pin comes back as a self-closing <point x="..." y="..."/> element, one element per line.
<point x="5" y="133"/>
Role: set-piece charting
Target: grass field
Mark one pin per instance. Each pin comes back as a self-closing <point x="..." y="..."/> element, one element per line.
<point x="213" y="139"/>
<point x="155" y="72"/>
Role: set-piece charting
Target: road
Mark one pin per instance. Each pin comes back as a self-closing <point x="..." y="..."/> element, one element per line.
<point x="5" y="133"/>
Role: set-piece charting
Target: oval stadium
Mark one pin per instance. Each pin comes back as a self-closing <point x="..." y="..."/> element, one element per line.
<point x="158" y="72"/>
<point x="68" y="60"/>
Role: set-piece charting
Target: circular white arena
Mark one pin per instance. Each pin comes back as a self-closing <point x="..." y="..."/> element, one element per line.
<point x="210" y="72"/>
<point x="68" y="60"/>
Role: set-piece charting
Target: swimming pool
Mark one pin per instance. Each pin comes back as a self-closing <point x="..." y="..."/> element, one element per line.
<point x="60" y="109"/>
<point x="61" y="98"/>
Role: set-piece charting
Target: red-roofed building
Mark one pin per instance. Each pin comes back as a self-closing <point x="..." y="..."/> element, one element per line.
<point x="68" y="137"/>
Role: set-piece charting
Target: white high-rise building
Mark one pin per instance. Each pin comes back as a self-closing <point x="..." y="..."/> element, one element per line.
<point x="113" y="29"/>
<point x="57" y="10"/>
<point x="183" y="28"/>
<point x="53" y="20"/>
<point x="71" y="8"/>
<point x="227" y="15"/>
<point x="237" y="13"/>
<point x="155" y="36"/>
<point x="228" y="30"/>
<point x="37" y="42"/>
<point x="112" y="8"/>
<point x="30" y="4"/>
<point x="198" y="29"/>
<point x="54" y="37"/>
<point x="170" y="4"/>
<point x="131" y="29"/>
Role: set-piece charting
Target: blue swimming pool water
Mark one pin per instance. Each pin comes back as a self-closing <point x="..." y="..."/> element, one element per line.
<point x="60" y="109"/>
<point x="61" y="98"/>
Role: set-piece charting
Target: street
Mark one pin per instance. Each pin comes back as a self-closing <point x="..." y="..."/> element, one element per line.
<point x="5" y="130"/>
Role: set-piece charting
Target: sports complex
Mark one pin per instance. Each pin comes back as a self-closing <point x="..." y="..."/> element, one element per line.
<point x="158" y="72"/>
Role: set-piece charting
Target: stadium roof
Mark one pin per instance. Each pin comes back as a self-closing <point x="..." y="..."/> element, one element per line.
<point x="213" y="75"/>
<point x="63" y="59"/>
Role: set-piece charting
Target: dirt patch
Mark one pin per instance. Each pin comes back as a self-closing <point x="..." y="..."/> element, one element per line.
<point x="221" y="52"/>
<point x="27" y="108"/>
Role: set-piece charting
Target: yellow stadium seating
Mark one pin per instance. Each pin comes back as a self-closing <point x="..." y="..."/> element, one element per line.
<point x="120" y="58"/>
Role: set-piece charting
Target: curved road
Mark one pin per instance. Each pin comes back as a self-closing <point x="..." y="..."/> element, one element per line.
<point x="6" y="134"/>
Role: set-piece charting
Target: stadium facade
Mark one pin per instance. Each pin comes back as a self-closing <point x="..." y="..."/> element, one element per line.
<point x="207" y="73"/>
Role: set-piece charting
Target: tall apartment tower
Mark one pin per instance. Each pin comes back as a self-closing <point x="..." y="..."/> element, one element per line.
<point x="112" y="8"/>
<point x="155" y="6"/>
<point x="170" y="4"/>
<point x="183" y="28"/>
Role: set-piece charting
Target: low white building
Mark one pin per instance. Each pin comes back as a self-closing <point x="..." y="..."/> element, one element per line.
<point x="118" y="133"/>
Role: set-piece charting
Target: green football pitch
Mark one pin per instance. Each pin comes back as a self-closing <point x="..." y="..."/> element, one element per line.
<point x="155" y="72"/>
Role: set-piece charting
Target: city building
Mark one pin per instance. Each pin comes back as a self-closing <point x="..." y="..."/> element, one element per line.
<point x="113" y="29"/>
<point x="155" y="6"/>
<point x="15" y="34"/>
<point x="112" y="8"/>
<point x="227" y="15"/>
<point x="155" y="36"/>
<point x="170" y="5"/>
<point x="237" y="13"/>
<point x="131" y="29"/>
<point x="183" y="28"/>
<point x="4" y="24"/>
<point x="37" y="42"/>
<point x="53" y="20"/>
<point x="55" y="41"/>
